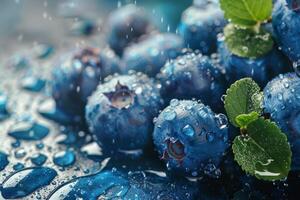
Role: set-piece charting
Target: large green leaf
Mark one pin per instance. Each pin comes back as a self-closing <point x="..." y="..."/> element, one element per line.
<point x="243" y="97"/>
<point x="247" y="12"/>
<point x="264" y="151"/>
<point x="248" y="43"/>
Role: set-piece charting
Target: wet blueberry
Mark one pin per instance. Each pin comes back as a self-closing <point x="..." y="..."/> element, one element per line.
<point x="193" y="76"/>
<point x="193" y="142"/>
<point x="77" y="77"/>
<point x="286" y="24"/>
<point x="149" y="55"/>
<point x="282" y="102"/>
<point x="126" y="25"/>
<point x="293" y="4"/>
<point x="200" y="25"/>
<point x="120" y="112"/>
<point x="261" y="69"/>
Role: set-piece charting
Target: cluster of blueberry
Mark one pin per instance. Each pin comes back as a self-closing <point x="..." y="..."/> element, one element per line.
<point x="165" y="91"/>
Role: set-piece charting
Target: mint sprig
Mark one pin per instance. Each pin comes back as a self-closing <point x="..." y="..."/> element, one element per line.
<point x="244" y="36"/>
<point x="247" y="13"/>
<point x="262" y="150"/>
<point x="243" y="97"/>
<point x="244" y="120"/>
<point x="247" y="42"/>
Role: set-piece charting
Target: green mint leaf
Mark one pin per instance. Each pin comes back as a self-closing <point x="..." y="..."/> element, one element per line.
<point x="248" y="43"/>
<point x="247" y="12"/>
<point x="244" y="119"/>
<point x="264" y="151"/>
<point x="243" y="97"/>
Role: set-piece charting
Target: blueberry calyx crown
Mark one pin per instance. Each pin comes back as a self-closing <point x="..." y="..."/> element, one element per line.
<point x="88" y="56"/>
<point x="174" y="150"/>
<point x="294" y="4"/>
<point x="122" y="97"/>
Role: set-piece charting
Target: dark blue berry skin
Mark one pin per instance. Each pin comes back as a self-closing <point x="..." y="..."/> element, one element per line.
<point x="150" y="55"/>
<point x="77" y="77"/>
<point x="193" y="76"/>
<point x="200" y="25"/>
<point x="282" y="102"/>
<point x="189" y="137"/>
<point x="261" y="69"/>
<point x="293" y="4"/>
<point x="286" y="24"/>
<point x="120" y="112"/>
<point x="126" y="25"/>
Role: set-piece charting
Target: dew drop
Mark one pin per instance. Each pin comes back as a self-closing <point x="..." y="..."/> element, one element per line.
<point x="210" y="137"/>
<point x="221" y="120"/>
<point x="18" y="166"/>
<point x="27" y="130"/>
<point x="38" y="159"/>
<point x="169" y="115"/>
<point x="33" y="84"/>
<point x="188" y="130"/>
<point x="64" y="158"/>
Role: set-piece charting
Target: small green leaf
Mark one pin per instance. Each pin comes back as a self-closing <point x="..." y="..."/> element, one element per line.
<point x="244" y="119"/>
<point x="247" y="42"/>
<point x="243" y="97"/>
<point x="264" y="152"/>
<point x="247" y="12"/>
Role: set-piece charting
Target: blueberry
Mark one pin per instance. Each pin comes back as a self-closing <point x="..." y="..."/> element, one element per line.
<point x="189" y="137"/>
<point x="151" y="54"/>
<point x="193" y="76"/>
<point x="293" y="4"/>
<point x="126" y="25"/>
<point x="261" y="69"/>
<point x="200" y="25"/>
<point x="78" y="76"/>
<point x="120" y="112"/>
<point x="282" y="102"/>
<point x="286" y="24"/>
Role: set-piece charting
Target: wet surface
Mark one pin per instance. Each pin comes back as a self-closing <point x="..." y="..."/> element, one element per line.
<point x="35" y="39"/>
